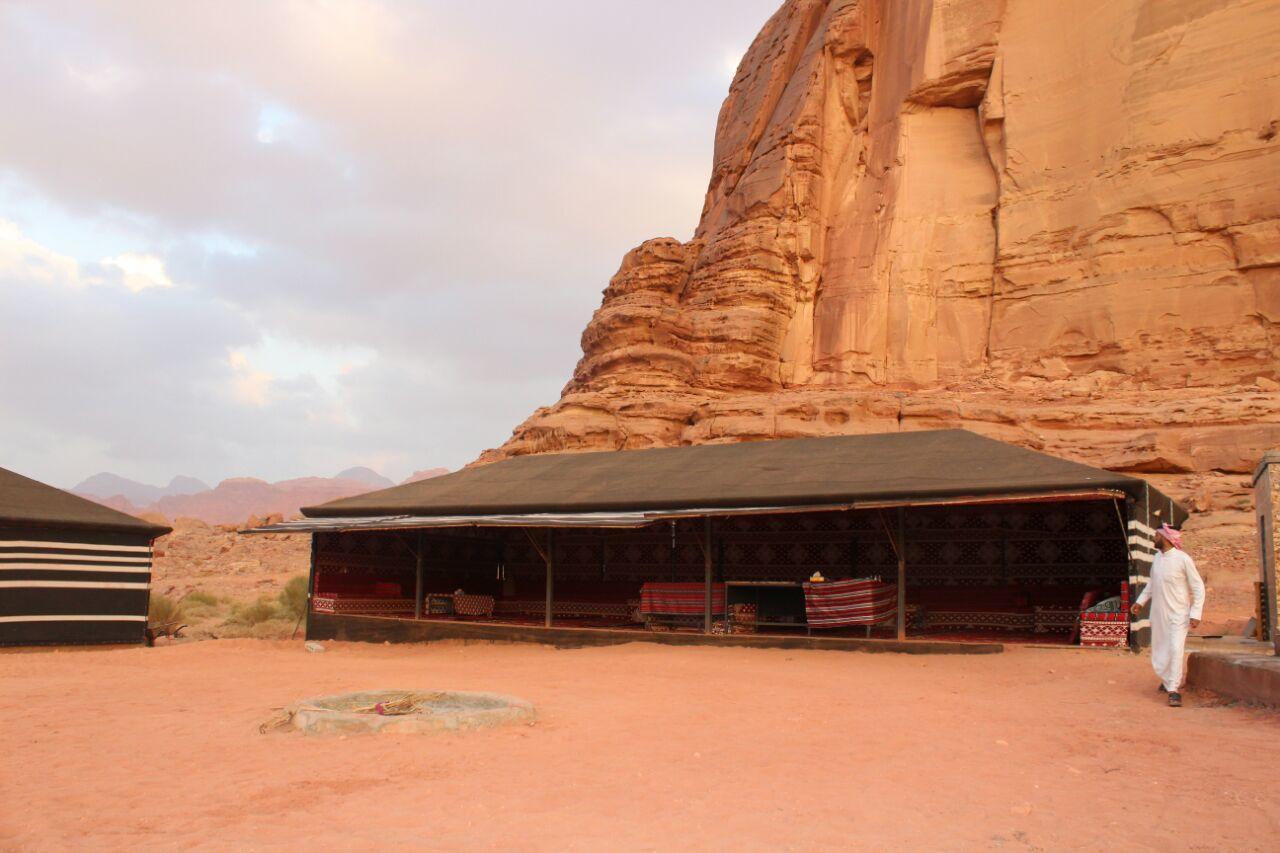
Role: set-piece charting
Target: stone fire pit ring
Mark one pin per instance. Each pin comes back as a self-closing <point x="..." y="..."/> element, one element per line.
<point x="408" y="711"/>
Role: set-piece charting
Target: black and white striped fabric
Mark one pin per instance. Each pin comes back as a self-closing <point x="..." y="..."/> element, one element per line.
<point x="1142" y="550"/>
<point x="69" y="586"/>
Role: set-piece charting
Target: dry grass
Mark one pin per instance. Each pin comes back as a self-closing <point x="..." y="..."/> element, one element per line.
<point x="270" y="616"/>
<point x="293" y="598"/>
<point x="255" y="613"/>
<point x="200" y="598"/>
<point x="200" y="605"/>
<point x="162" y="608"/>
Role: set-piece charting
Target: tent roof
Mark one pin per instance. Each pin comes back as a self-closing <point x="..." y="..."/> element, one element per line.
<point x="24" y="501"/>
<point x="894" y="467"/>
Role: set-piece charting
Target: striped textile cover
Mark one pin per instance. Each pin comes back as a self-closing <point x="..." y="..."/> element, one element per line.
<point x="576" y="609"/>
<point x="1055" y="619"/>
<point x="473" y="605"/>
<point x="1107" y="635"/>
<point x="343" y="606"/>
<point x="979" y="620"/>
<point x="834" y="604"/>
<point x="680" y="599"/>
<point x="73" y="587"/>
<point x="1107" y="630"/>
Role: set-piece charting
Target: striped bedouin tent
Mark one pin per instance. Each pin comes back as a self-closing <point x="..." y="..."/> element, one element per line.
<point x="71" y="571"/>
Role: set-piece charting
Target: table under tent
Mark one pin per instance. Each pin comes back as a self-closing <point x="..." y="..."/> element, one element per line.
<point x="942" y="534"/>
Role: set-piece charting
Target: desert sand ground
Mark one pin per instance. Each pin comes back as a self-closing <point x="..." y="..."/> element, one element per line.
<point x="637" y="747"/>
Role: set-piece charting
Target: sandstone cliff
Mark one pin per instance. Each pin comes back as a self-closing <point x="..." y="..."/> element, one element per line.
<point x="1053" y="223"/>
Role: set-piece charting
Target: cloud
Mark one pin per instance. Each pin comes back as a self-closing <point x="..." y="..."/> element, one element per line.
<point x="400" y="215"/>
<point x="22" y="258"/>
<point x="139" y="271"/>
<point x="249" y="385"/>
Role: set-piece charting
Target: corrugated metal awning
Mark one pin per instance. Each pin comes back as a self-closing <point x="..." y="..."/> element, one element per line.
<point x="639" y="519"/>
<point x="583" y="519"/>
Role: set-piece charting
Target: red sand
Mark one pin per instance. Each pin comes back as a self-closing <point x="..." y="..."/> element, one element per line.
<point x="638" y="747"/>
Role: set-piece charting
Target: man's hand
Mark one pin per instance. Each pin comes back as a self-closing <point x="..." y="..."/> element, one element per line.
<point x="1195" y="623"/>
<point x="1135" y="609"/>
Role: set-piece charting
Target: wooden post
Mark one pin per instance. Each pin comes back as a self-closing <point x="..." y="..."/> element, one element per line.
<point x="550" y="559"/>
<point x="706" y="566"/>
<point x="417" y="592"/>
<point x="902" y="573"/>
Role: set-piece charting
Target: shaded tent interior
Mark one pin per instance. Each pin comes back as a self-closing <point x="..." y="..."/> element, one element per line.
<point x="987" y="539"/>
<point x="71" y="571"/>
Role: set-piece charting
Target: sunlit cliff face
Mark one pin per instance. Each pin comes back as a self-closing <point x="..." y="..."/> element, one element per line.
<point x="1053" y="228"/>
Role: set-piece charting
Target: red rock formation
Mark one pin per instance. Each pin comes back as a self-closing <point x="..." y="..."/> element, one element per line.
<point x="1055" y="224"/>
<point x="236" y="499"/>
<point x="425" y="474"/>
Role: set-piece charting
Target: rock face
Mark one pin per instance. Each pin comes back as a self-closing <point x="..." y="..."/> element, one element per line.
<point x="217" y="559"/>
<point x="1055" y="224"/>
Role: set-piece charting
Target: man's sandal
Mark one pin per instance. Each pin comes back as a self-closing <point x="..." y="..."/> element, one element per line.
<point x="1175" y="700"/>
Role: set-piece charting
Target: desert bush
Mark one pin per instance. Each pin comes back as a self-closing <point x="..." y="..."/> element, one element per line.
<point x="272" y="629"/>
<point x="200" y="598"/>
<point x="162" y="608"/>
<point x="262" y="610"/>
<point x="293" y="598"/>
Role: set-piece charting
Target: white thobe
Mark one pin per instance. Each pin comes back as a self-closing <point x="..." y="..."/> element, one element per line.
<point x="1176" y="593"/>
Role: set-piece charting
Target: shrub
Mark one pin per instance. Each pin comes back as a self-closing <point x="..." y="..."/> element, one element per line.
<point x="200" y="598"/>
<point x="262" y="610"/>
<point x="272" y="629"/>
<point x="162" y="608"/>
<point x="293" y="598"/>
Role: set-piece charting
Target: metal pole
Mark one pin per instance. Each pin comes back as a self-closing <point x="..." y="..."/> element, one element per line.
<point x="417" y="592"/>
<point x="550" y="557"/>
<point x="902" y="573"/>
<point x="706" y="567"/>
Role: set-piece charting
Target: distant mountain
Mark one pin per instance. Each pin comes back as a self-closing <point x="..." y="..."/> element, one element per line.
<point x="235" y="500"/>
<point x="181" y="485"/>
<point x="425" y="474"/>
<point x="232" y="501"/>
<point x="368" y="476"/>
<point x="106" y="485"/>
<point x="117" y="502"/>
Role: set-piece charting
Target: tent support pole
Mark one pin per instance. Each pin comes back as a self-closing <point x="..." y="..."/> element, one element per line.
<point x="417" y="589"/>
<point x="902" y="573"/>
<point x="550" y="558"/>
<point x="706" y="570"/>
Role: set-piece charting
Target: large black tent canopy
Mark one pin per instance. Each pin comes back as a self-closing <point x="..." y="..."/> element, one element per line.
<point x="849" y="470"/>
<point x="758" y="516"/>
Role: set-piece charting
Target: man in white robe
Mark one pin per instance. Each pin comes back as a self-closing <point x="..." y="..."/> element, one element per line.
<point x="1176" y="593"/>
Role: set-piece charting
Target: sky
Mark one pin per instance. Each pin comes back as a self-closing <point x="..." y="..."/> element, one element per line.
<point x="279" y="239"/>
